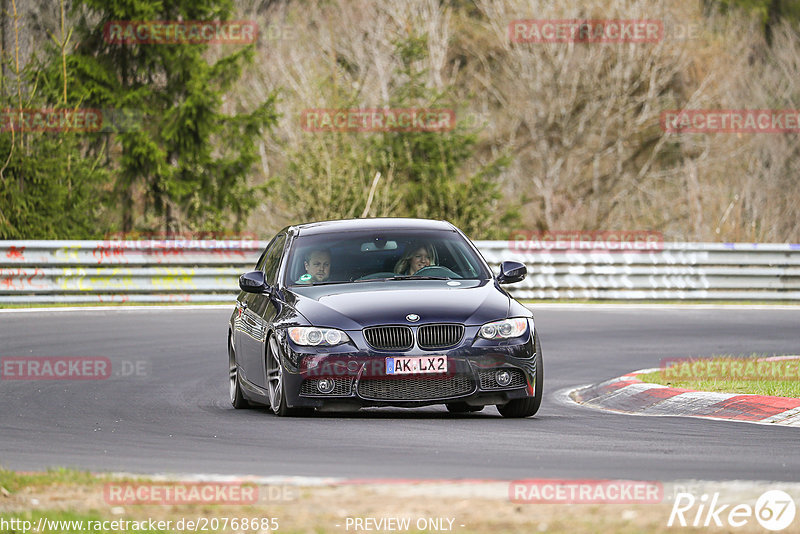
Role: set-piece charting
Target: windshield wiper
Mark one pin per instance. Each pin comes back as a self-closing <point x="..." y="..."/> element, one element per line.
<point x="414" y="277"/>
<point x="326" y="283"/>
<point x="403" y="277"/>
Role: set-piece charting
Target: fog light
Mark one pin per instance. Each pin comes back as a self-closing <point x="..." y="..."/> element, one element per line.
<point x="502" y="377"/>
<point x="325" y="385"/>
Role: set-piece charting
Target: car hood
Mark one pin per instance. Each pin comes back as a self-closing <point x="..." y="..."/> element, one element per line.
<point x="358" y="305"/>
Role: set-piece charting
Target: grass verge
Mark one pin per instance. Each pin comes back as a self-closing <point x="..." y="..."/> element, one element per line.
<point x="755" y="374"/>
<point x="459" y="507"/>
<point x="14" y="481"/>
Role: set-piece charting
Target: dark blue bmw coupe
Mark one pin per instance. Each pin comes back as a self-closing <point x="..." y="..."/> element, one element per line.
<point x="340" y="315"/>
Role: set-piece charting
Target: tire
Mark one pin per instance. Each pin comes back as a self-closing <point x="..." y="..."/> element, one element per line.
<point x="275" y="386"/>
<point x="462" y="407"/>
<point x="529" y="405"/>
<point x="234" y="386"/>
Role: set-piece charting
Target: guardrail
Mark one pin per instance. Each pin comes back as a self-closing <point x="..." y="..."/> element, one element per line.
<point x="124" y="271"/>
<point x="677" y="271"/>
<point x="207" y="271"/>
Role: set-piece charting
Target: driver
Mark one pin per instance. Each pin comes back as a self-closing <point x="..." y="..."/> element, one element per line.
<point x="318" y="267"/>
<point x="416" y="257"/>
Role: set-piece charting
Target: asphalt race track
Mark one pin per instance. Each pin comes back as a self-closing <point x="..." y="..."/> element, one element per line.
<point x="175" y="416"/>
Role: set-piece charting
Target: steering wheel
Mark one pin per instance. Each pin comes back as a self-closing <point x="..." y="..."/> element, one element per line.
<point x="437" y="270"/>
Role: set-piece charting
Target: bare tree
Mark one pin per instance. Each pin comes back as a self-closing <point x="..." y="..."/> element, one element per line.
<point x="580" y="120"/>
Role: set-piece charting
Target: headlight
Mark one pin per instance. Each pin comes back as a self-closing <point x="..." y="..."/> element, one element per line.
<point x="316" y="337"/>
<point x="505" y="329"/>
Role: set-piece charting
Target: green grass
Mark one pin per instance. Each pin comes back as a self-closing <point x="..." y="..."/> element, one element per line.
<point x="72" y="495"/>
<point x="730" y="374"/>
<point x="13" y="481"/>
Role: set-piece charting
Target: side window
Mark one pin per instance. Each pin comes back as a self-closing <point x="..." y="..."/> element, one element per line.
<point x="263" y="257"/>
<point x="272" y="259"/>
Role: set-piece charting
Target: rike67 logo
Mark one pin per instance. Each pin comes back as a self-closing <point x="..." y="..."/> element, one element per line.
<point x="774" y="510"/>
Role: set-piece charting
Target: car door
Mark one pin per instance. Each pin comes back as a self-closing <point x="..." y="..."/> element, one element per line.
<point x="259" y="311"/>
<point x="240" y="325"/>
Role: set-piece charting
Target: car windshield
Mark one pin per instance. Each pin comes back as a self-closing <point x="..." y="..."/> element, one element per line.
<point x="375" y="256"/>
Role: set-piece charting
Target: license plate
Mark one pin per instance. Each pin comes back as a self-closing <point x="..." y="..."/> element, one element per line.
<point x="412" y="365"/>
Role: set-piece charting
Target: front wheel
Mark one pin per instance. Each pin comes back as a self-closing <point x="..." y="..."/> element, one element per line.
<point x="234" y="386"/>
<point x="529" y="405"/>
<point x="275" y="383"/>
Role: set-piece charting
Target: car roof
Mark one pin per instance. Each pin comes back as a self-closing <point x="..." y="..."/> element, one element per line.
<point x="377" y="223"/>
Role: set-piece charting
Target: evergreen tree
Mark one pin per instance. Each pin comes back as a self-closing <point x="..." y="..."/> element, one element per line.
<point x="50" y="187"/>
<point x="427" y="174"/>
<point x="183" y="165"/>
<point x="770" y="12"/>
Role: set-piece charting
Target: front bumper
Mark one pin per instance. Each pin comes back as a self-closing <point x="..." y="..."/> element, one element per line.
<point x="359" y="374"/>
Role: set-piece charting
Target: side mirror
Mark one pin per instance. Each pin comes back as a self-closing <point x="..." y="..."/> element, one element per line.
<point x="253" y="282"/>
<point x="512" y="272"/>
